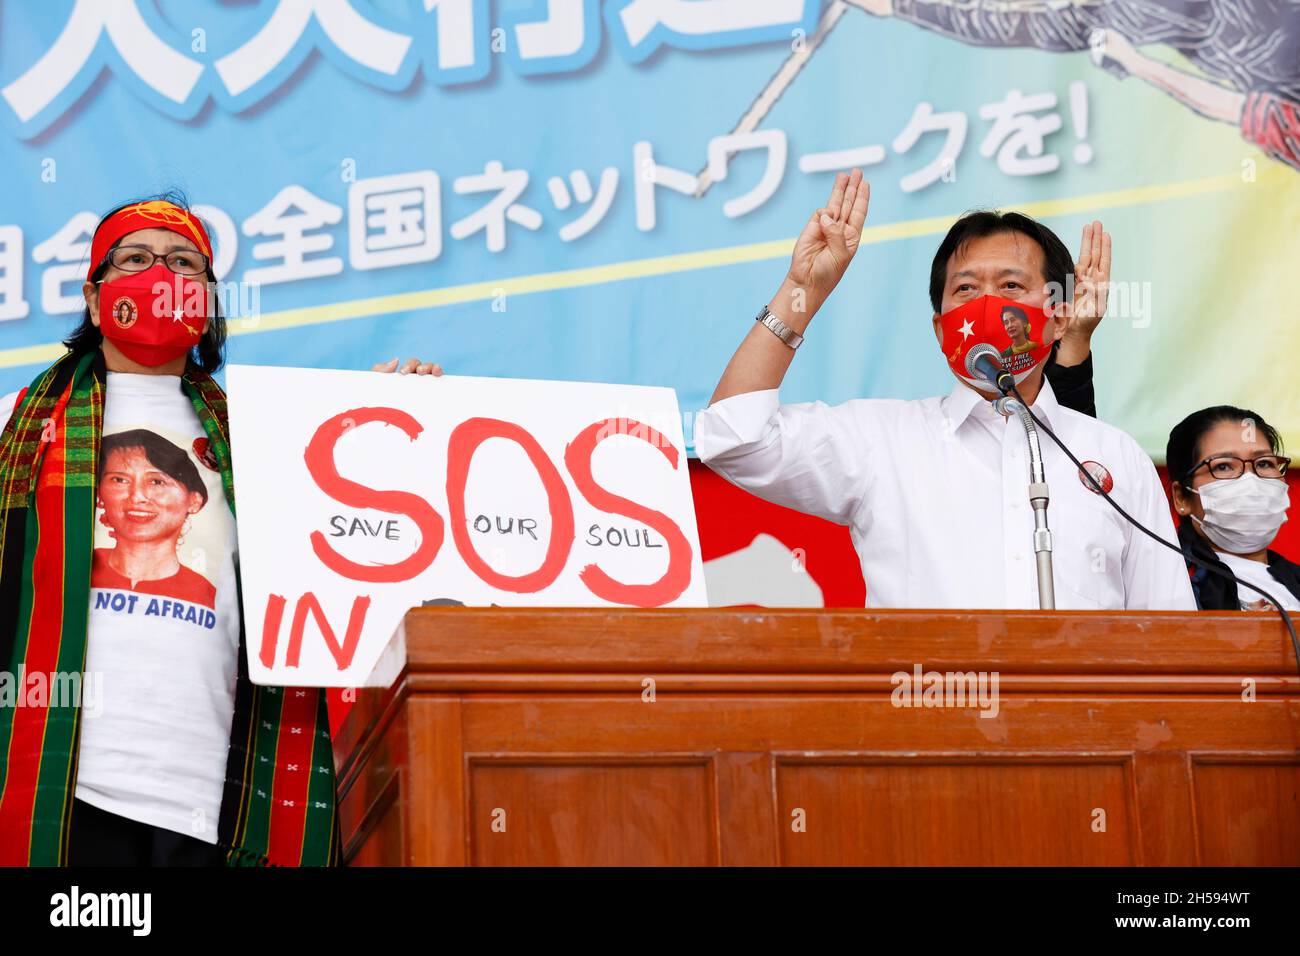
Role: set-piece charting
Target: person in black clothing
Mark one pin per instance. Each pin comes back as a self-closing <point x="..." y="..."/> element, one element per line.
<point x="1228" y="479"/>
<point x="1072" y="384"/>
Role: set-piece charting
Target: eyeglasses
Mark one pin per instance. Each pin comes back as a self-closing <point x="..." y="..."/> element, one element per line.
<point x="185" y="262"/>
<point x="1230" y="466"/>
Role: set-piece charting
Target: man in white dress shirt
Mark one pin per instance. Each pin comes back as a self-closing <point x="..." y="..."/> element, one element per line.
<point x="935" y="491"/>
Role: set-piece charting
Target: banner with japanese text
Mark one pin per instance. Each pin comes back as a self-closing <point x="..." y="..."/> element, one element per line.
<point x="608" y="190"/>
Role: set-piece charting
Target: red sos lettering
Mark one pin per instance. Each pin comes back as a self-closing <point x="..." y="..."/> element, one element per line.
<point x="320" y="463"/>
<point x="577" y="458"/>
<point x="464" y="442"/>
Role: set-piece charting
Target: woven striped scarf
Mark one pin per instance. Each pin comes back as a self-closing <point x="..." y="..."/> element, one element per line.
<point x="278" y="805"/>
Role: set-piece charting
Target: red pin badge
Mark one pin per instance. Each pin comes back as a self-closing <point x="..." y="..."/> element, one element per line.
<point x="203" y="452"/>
<point x="1099" y="474"/>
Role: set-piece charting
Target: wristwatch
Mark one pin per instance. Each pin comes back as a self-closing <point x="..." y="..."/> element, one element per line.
<point x="778" y="328"/>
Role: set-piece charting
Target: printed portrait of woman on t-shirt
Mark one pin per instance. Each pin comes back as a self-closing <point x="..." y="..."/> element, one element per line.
<point x="149" y="494"/>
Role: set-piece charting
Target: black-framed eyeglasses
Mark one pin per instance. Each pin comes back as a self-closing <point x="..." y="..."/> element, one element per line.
<point x="1230" y="466"/>
<point x="185" y="262"/>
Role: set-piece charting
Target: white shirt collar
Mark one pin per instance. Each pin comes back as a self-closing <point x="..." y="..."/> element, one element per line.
<point x="963" y="400"/>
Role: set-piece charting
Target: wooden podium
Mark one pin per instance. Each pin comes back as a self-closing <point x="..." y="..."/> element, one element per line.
<point x="760" y="737"/>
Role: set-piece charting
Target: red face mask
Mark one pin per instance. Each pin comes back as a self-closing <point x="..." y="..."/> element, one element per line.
<point x="1013" y="330"/>
<point x="155" y="316"/>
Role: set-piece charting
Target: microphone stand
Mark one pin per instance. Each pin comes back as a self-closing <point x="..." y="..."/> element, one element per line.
<point x="1038" y="499"/>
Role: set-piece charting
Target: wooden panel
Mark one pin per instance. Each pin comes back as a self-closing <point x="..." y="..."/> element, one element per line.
<point x="646" y="642"/>
<point x="944" y="813"/>
<point x="1164" y="803"/>
<point x="746" y="809"/>
<point x="585" y="813"/>
<point x="378" y="839"/>
<point x="695" y="683"/>
<point x="1248" y="812"/>
<point x="740" y="723"/>
<point x="540" y="712"/>
<point x="370" y="779"/>
<point x="436" y="810"/>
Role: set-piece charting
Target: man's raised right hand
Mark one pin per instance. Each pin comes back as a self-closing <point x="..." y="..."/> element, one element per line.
<point x="830" y="239"/>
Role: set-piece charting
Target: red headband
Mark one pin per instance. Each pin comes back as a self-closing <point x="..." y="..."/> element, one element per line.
<point x="153" y="214"/>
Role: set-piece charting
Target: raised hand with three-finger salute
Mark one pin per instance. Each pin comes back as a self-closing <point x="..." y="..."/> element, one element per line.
<point x="821" y="256"/>
<point x="1091" y="290"/>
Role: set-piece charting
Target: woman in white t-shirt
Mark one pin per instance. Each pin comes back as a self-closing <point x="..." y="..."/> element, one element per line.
<point x="1229" y="481"/>
<point x="117" y="457"/>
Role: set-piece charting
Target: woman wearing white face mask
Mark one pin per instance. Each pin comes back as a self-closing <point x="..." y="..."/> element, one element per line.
<point x="1230" y="489"/>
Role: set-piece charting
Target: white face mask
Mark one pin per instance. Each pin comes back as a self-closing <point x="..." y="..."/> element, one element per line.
<point x="1242" y="515"/>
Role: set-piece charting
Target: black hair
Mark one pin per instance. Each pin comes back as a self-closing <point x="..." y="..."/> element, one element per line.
<point x="1058" y="265"/>
<point x="208" y="356"/>
<point x="162" y="454"/>
<point x="1183" y="449"/>
<point x="1017" y="312"/>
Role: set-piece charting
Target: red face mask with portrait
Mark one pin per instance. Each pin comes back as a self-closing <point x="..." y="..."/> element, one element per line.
<point x="155" y="316"/>
<point x="1013" y="331"/>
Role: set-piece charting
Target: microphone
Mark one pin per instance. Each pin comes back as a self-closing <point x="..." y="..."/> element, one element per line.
<point x="984" y="361"/>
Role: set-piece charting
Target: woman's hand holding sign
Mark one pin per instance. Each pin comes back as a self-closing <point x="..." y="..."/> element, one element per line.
<point x="409" y="367"/>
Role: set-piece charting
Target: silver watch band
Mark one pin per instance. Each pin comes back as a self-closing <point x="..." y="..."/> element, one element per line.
<point x="778" y="328"/>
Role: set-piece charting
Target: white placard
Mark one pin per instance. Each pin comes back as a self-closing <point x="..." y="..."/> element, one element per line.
<point x="361" y="495"/>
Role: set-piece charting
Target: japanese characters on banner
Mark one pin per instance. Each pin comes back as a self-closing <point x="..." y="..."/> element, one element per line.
<point x="543" y="187"/>
<point x="364" y="495"/>
<point x="397" y="219"/>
